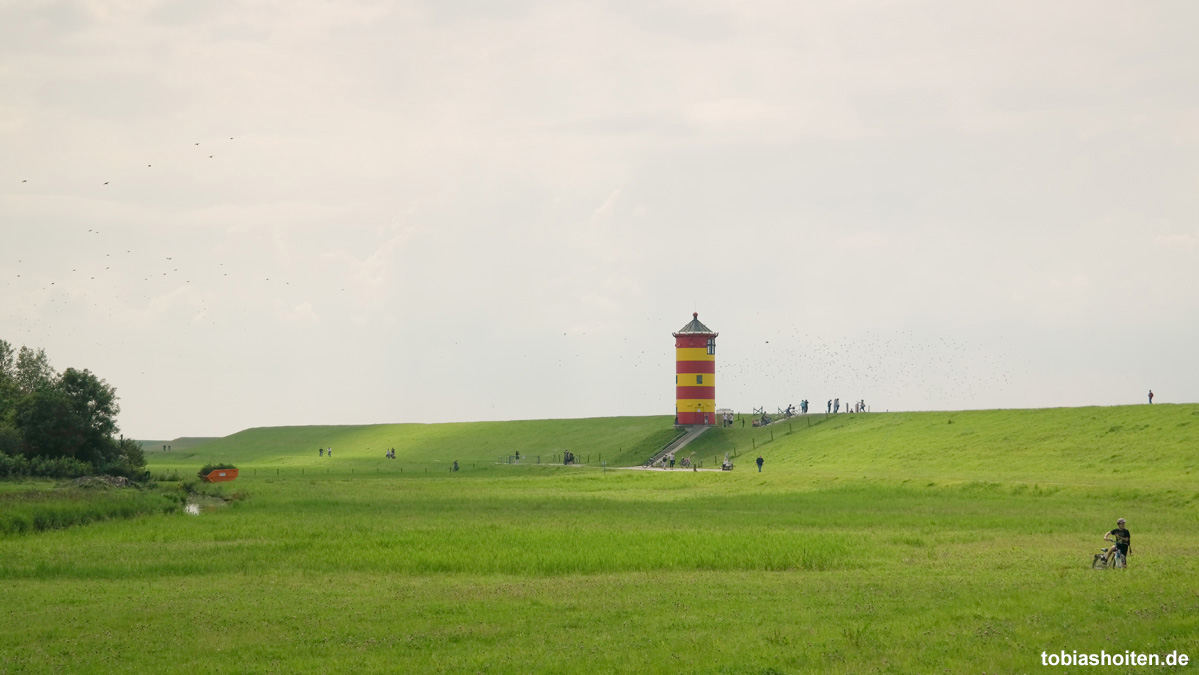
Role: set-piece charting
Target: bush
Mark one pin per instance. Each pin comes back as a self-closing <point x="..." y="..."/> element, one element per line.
<point x="209" y="468"/>
<point x="49" y="467"/>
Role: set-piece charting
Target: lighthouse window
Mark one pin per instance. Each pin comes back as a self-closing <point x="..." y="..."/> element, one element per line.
<point x="699" y="379"/>
<point x="711" y="345"/>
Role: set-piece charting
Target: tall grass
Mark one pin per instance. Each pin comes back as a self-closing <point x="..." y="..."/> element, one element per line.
<point x="29" y="511"/>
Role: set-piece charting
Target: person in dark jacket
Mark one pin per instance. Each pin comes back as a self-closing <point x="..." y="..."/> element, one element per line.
<point x="760" y="463"/>
<point x="1122" y="540"/>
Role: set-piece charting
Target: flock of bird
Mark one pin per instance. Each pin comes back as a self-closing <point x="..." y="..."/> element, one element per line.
<point x="775" y="371"/>
<point x="53" y="293"/>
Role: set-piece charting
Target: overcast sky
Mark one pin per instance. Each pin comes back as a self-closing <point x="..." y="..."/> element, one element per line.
<point x="312" y="212"/>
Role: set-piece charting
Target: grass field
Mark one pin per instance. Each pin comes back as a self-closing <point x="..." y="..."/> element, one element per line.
<point x="892" y="543"/>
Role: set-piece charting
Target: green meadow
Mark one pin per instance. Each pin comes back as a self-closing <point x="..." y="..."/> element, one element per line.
<point x="880" y="543"/>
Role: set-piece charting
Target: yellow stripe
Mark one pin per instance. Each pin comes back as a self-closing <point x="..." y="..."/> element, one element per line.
<point x="688" y="380"/>
<point x="693" y="354"/>
<point x="692" y="405"/>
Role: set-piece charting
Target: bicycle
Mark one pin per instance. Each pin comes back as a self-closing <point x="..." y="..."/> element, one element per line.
<point x="1100" y="562"/>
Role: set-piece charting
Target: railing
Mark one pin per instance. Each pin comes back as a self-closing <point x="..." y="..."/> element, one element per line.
<point x="660" y="452"/>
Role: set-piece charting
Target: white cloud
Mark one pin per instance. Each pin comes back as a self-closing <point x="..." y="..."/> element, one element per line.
<point x="1182" y="241"/>
<point x="862" y="240"/>
<point x="301" y="313"/>
<point x="1073" y="282"/>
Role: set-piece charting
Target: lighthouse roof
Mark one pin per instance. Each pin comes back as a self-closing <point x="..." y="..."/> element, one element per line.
<point x="695" y="328"/>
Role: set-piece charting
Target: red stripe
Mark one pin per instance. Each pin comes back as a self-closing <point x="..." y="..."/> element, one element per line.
<point x="691" y="341"/>
<point x="696" y="418"/>
<point x="704" y="367"/>
<point x="700" y="393"/>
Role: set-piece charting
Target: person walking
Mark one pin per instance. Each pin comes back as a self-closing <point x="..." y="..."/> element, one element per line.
<point x="1150" y="397"/>
<point x="760" y="463"/>
<point x="830" y="407"/>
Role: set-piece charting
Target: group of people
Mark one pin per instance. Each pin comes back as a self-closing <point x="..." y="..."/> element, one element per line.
<point x="834" y="406"/>
<point x="803" y="408"/>
<point x="568" y="457"/>
<point x="325" y="451"/>
<point x="391" y="454"/>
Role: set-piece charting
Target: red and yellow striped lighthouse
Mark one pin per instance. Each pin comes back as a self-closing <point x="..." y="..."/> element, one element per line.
<point x="695" y="373"/>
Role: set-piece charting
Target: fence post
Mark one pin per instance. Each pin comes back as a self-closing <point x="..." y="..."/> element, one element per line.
<point x="755" y="442"/>
<point x="772" y="434"/>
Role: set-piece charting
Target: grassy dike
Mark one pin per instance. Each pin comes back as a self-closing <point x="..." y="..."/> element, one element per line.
<point x="875" y="543"/>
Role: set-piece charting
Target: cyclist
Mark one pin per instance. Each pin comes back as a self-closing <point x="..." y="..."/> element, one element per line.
<point x="1123" y="541"/>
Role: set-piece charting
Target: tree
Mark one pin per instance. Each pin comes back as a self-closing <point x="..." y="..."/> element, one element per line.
<point x="94" y="404"/>
<point x="49" y="425"/>
<point x="8" y="383"/>
<point x="33" y="372"/>
<point x="71" y="415"/>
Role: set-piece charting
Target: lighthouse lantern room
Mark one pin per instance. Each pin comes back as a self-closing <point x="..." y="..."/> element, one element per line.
<point x="695" y="374"/>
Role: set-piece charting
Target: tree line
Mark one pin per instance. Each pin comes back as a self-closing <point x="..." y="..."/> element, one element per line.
<point x="60" y="424"/>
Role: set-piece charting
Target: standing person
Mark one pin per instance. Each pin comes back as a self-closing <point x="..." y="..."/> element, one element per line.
<point x="1150" y="397"/>
<point x="837" y="405"/>
<point x="321" y="451"/>
<point x="760" y="462"/>
<point x="830" y="407"/>
<point x="1123" y="541"/>
<point x="455" y="465"/>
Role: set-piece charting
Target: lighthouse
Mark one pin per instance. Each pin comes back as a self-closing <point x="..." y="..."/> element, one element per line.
<point x="695" y="374"/>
